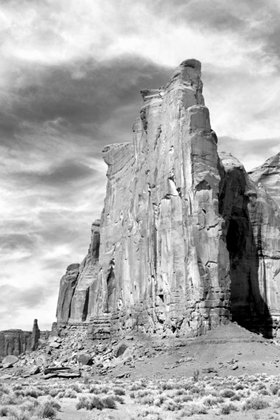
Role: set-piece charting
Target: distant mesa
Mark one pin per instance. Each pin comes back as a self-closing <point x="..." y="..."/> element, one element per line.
<point x="14" y="342"/>
<point x="187" y="240"/>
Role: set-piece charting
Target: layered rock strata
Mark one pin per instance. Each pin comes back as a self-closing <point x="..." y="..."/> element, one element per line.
<point x="186" y="240"/>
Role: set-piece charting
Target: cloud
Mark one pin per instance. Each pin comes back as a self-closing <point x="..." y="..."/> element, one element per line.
<point x="68" y="172"/>
<point x="25" y="302"/>
<point x="70" y="78"/>
<point x="251" y="153"/>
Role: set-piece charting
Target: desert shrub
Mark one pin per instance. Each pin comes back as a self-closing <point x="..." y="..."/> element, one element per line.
<point x="132" y="395"/>
<point x="239" y="387"/>
<point x="109" y="402"/>
<point x="4" y="411"/>
<point x="180" y="391"/>
<point x="119" y="391"/>
<point x="30" y="405"/>
<point x="235" y="397"/>
<point x="54" y="392"/>
<point x="70" y="393"/>
<point x="159" y="400"/>
<point x="82" y="403"/>
<point x="19" y="393"/>
<point x="76" y="387"/>
<point x="187" y="386"/>
<point x="95" y="402"/>
<point x="194" y="408"/>
<point x="167" y="386"/>
<point x="17" y="387"/>
<point x="105" y="390"/>
<point x="196" y="375"/>
<point x="143" y="393"/>
<point x="255" y="403"/>
<point x="47" y="410"/>
<point x="260" y="386"/>
<point x="197" y="390"/>
<point x="138" y="385"/>
<point x="4" y="390"/>
<point x="211" y="401"/>
<point x="119" y="399"/>
<point x="277" y="404"/>
<point x="31" y="392"/>
<point x="264" y="392"/>
<point x="274" y="389"/>
<point x="227" y="393"/>
<point x="10" y="399"/>
<point x="95" y="390"/>
<point x="186" y="398"/>
<point x="147" y="400"/>
<point x="228" y="408"/>
<point x="172" y="406"/>
<point x="18" y="414"/>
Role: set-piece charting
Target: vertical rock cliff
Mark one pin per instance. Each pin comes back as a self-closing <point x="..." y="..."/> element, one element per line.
<point x="15" y="342"/>
<point x="252" y="221"/>
<point x="163" y="264"/>
<point x="186" y="240"/>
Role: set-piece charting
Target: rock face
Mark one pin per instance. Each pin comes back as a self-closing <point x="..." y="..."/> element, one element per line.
<point x="268" y="176"/>
<point x="252" y="228"/>
<point x="186" y="241"/>
<point x="77" y="286"/>
<point x="35" y="335"/>
<point x="14" y="342"/>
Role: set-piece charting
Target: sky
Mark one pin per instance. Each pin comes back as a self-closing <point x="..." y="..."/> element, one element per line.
<point x="70" y="76"/>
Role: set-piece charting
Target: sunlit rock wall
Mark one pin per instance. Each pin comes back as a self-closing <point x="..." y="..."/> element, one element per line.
<point x="186" y="240"/>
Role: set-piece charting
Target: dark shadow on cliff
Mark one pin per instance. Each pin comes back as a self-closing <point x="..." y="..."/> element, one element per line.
<point x="248" y="303"/>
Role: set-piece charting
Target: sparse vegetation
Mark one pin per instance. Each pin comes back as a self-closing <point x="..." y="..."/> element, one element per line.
<point x="174" y="399"/>
<point x="255" y="403"/>
<point x="228" y="408"/>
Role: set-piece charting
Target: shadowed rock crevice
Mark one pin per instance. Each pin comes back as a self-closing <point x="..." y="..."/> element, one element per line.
<point x="249" y="215"/>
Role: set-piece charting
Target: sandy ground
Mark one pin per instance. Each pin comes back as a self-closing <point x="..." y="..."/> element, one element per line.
<point x="222" y="359"/>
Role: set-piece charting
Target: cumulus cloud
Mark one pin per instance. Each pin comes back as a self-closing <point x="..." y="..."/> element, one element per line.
<point x="70" y="78"/>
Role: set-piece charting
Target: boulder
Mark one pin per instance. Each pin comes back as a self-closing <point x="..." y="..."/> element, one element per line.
<point x="120" y="349"/>
<point x="84" y="359"/>
<point x="10" y="360"/>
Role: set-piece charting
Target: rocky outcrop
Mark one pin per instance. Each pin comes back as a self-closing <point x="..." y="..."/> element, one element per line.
<point x="14" y="342"/>
<point x="268" y="176"/>
<point x="186" y="240"/>
<point x="252" y="229"/>
<point x="163" y="264"/>
<point x="35" y="335"/>
<point x="77" y="286"/>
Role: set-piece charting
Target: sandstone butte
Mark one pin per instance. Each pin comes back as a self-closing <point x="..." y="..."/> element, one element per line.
<point x="15" y="342"/>
<point x="187" y="240"/>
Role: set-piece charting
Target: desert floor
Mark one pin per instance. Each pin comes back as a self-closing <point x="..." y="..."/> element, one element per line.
<point x="228" y="373"/>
